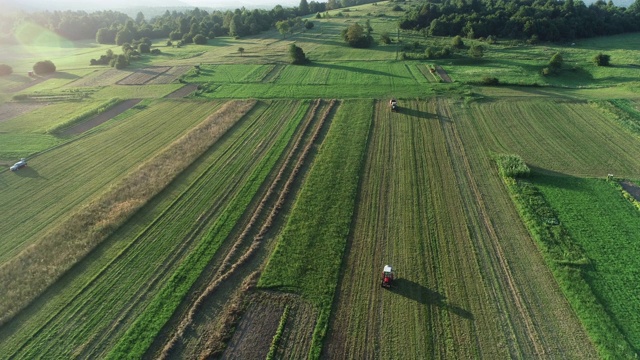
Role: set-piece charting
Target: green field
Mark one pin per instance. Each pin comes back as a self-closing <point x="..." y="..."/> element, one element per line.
<point x="251" y="214"/>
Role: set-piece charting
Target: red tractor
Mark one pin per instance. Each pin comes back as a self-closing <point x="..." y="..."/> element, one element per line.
<point x="387" y="277"/>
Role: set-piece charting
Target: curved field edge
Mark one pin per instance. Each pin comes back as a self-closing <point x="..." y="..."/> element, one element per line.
<point x="308" y="254"/>
<point x="45" y="261"/>
<point x="139" y="337"/>
<point x="553" y="240"/>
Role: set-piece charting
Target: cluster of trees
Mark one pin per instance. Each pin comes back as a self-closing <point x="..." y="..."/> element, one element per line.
<point x="545" y="20"/>
<point x="130" y="52"/>
<point x="358" y="36"/>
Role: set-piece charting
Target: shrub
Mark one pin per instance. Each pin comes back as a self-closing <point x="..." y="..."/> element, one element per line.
<point x="308" y="25"/>
<point x="512" y="166"/>
<point x="385" y="38"/>
<point x="296" y="55"/>
<point x="5" y="70"/>
<point x="601" y="59"/>
<point x="44" y="67"/>
<point x="155" y="51"/>
<point x="200" y="39"/>
<point x="397" y="8"/>
<point x="144" y="48"/>
<point x="490" y="81"/>
<point x="457" y="42"/>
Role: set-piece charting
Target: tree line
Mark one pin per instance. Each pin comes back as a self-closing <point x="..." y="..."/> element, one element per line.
<point x="113" y="27"/>
<point x="544" y="20"/>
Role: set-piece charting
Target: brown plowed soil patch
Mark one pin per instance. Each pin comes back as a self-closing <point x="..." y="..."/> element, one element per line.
<point x="104" y="78"/>
<point x="143" y="76"/>
<point x="170" y="75"/>
<point x="11" y="110"/>
<point x="102" y="118"/>
<point x="183" y="91"/>
<point x="251" y="339"/>
<point x="443" y="74"/>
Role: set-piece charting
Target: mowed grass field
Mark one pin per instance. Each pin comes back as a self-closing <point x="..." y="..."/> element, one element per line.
<point x="417" y="189"/>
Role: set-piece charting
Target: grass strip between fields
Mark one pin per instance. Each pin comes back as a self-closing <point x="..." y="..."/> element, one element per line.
<point x="139" y="337"/>
<point x="308" y="255"/>
<point x="29" y="273"/>
<point x="568" y="262"/>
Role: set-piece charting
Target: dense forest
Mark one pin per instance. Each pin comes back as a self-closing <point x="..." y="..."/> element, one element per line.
<point x="544" y="20"/>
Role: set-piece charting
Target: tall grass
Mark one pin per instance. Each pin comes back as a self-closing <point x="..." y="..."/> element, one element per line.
<point x="512" y="166"/>
<point x="29" y="273"/>
<point x="308" y="254"/>
<point x="570" y="265"/>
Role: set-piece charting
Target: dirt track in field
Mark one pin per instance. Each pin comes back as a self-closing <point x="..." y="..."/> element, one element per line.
<point x="471" y="281"/>
<point x="443" y="74"/>
<point x="101" y="118"/>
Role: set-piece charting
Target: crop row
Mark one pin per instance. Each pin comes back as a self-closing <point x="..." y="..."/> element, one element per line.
<point x="308" y="254"/>
<point x="96" y="306"/>
<point x="146" y="327"/>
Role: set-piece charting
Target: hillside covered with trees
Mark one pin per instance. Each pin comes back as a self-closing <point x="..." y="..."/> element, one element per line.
<point x="523" y="19"/>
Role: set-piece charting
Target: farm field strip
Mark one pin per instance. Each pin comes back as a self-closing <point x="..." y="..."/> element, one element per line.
<point x="572" y="138"/>
<point x="268" y="147"/>
<point x="143" y="76"/>
<point x="610" y="245"/>
<point x="424" y="70"/>
<point x="14" y="109"/>
<point x="153" y="246"/>
<point x="248" y="254"/>
<point x="232" y="260"/>
<point x="171" y="75"/>
<point x="100" y="78"/>
<point x="422" y="212"/>
<point x="548" y="318"/>
<point x="61" y="180"/>
<point x="409" y="216"/>
<point x="306" y="259"/>
<point x="273" y="74"/>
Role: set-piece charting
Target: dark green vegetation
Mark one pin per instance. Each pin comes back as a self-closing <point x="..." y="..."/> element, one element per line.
<point x="242" y="201"/>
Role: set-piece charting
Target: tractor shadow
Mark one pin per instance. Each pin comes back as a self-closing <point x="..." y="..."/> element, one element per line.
<point x="28" y="172"/>
<point x="426" y="296"/>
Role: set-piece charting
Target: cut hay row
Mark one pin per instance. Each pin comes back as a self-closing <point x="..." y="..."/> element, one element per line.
<point x="307" y="257"/>
<point x="229" y="263"/>
<point x="27" y="274"/>
<point x="173" y="226"/>
<point x="227" y="269"/>
<point x="58" y="181"/>
<point x="282" y="120"/>
<point x="273" y="74"/>
<point x="425" y="70"/>
<point x="144" y="76"/>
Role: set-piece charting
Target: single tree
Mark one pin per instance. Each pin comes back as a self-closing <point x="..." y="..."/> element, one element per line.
<point x="356" y="36"/>
<point x="602" y="59"/>
<point x="296" y="55"/>
<point x="44" y="67"/>
<point x="5" y="70"/>
<point x="241" y="51"/>
<point x="144" y="48"/>
<point x="283" y="27"/>
<point x="556" y="61"/>
<point x="308" y="25"/>
<point x="303" y="9"/>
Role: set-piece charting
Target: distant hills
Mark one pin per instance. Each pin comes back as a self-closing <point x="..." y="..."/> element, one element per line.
<point x="152" y="6"/>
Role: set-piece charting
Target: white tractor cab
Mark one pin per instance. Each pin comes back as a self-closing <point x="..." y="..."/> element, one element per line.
<point x="19" y="165"/>
<point x="387" y="277"/>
